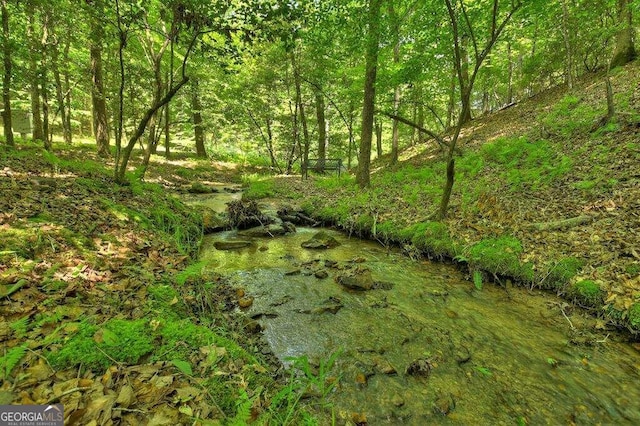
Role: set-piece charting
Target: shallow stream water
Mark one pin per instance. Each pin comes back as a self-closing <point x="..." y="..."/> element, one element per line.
<point x="491" y="356"/>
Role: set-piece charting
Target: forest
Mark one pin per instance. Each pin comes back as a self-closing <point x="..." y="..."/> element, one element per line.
<point x="228" y="212"/>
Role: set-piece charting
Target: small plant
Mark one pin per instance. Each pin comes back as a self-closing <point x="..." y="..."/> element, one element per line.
<point x="553" y="362"/>
<point x="484" y="371"/>
<point x="477" y="279"/>
<point x="11" y="359"/>
<point x="588" y="293"/>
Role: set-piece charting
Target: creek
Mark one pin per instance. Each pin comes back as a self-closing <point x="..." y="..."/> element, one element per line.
<point x="427" y="346"/>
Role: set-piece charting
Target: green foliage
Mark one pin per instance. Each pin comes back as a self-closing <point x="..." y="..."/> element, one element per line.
<point x="192" y="272"/>
<point x="11" y="359"/>
<point x="525" y="164"/>
<point x="120" y="341"/>
<point x="333" y="182"/>
<point x="258" y="188"/>
<point x="499" y="256"/>
<point x="285" y="405"/>
<point x="477" y="279"/>
<point x="183" y="366"/>
<point x="571" y="116"/>
<point x="560" y="273"/>
<point x="20" y="326"/>
<point x="162" y="293"/>
<point x="430" y="237"/>
<point x="243" y="410"/>
<point x="634" y="316"/>
<point x="588" y="293"/>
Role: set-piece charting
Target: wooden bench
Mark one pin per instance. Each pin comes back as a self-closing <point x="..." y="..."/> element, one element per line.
<point x="321" y="166"/>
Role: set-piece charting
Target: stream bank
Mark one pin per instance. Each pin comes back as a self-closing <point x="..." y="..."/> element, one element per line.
<point x="420" y="344"/>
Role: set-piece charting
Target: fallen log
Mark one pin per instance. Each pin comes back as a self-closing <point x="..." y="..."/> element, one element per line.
<point x="561" y="224"/>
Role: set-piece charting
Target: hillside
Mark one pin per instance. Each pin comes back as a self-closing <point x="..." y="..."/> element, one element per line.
<point x="547" y="194"/>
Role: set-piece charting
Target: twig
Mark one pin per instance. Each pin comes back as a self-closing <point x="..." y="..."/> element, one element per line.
<point x="567" y="318"/>
<point x="65" y="393"/>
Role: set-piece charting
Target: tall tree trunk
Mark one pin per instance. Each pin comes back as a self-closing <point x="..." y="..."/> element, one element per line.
<point x="625" y="51"/>
<point x="67" y="92"/>
<point x="566" y="35"/>
<point x="378" y="129"/>
<point x="465" y="90"/>
<point x="451" y="105"/>
<point x="98" y="102"/>
<point x="34" y="76"/>
<point x="510" y="74"/>
<point x="368" y="104"/>
<point x="300" y="108"/>
<point x="55" y="69"/>
<point x="196" y="111"/>
<point x="6" y="78"/>
<point x="44" y="75"/>
<point x="322" y="126"/>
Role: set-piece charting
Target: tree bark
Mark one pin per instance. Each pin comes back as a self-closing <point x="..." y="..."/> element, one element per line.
<point x="34" y="77"/>
<point x="378" y="129"/>
<point x="368" y="105"/>
<point x="567" y="45"/>
<point x="625" y="51"/>
<point x="99" y="106"/>
<point x="6" y="78"/>
<point x="196" y="111"/>
<point x="322" y="126"/>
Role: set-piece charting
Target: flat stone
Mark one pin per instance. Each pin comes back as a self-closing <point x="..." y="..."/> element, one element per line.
<point x="359" y="279"/>
<point x="320" y="240"/>
<point x="231" y="244"/>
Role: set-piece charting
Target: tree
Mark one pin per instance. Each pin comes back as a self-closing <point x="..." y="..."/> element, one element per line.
<point x="368" y="105"/>
<point x="196" y="112"/>
<point x="624" y="51"/>
<point x="98" y="98"/>
<point x="34" y="72"/>
<point x="458" y="14"/>
<point x="6" y="79"/>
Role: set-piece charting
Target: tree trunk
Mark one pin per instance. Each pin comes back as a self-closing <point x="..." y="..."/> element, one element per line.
<point x="300" y="108"/>
<point x="368" y="105"/>
<point x="6" y="78"/>
<point x="625" y="51"/>
<point x="378" y="129"/>
<point x="196" y="111"/>
<point x="44" y="82"/>
<point x="465" y="90"/>
<point x="67" y="92"/>
<point x="34" y="77"/>
<point x="322" y="127"/>
<point x="451" y="105"/>
<point x="567" y="45"/>
<point x="55" y="68"/>
<point x="99" y="106"/>
<point x="510" y="75"/>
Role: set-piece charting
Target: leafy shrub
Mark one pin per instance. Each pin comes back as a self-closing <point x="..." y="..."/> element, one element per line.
<point x="588" y="293"/>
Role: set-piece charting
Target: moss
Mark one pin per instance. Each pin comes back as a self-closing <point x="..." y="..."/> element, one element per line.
<point x="96" y="348"/>
<point x="560" y="273"/>
<point x="634" y="316"/>
<point x="588" y="293"/>
<point x="500" y="256"/>
<point x="429" y="237"/>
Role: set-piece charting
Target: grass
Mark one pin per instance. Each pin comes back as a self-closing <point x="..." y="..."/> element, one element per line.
<point x="499" y="256"/>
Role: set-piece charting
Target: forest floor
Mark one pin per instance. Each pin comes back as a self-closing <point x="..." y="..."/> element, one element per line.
<point x="102" y="309"/>
<point x="547" y="193"/>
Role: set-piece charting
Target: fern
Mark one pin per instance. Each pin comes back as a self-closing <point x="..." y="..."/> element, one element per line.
<point x="11" y="359"/>
<point x="243" y="412"/>
<point x="20" y="326"/>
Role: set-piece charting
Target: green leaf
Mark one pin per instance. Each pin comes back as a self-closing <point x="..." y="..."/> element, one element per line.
<point x="109" y="337"/>
<point x="183" y="366"/>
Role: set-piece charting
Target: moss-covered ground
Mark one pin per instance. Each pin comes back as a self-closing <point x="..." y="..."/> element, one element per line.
<point x="104" y="308"/>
